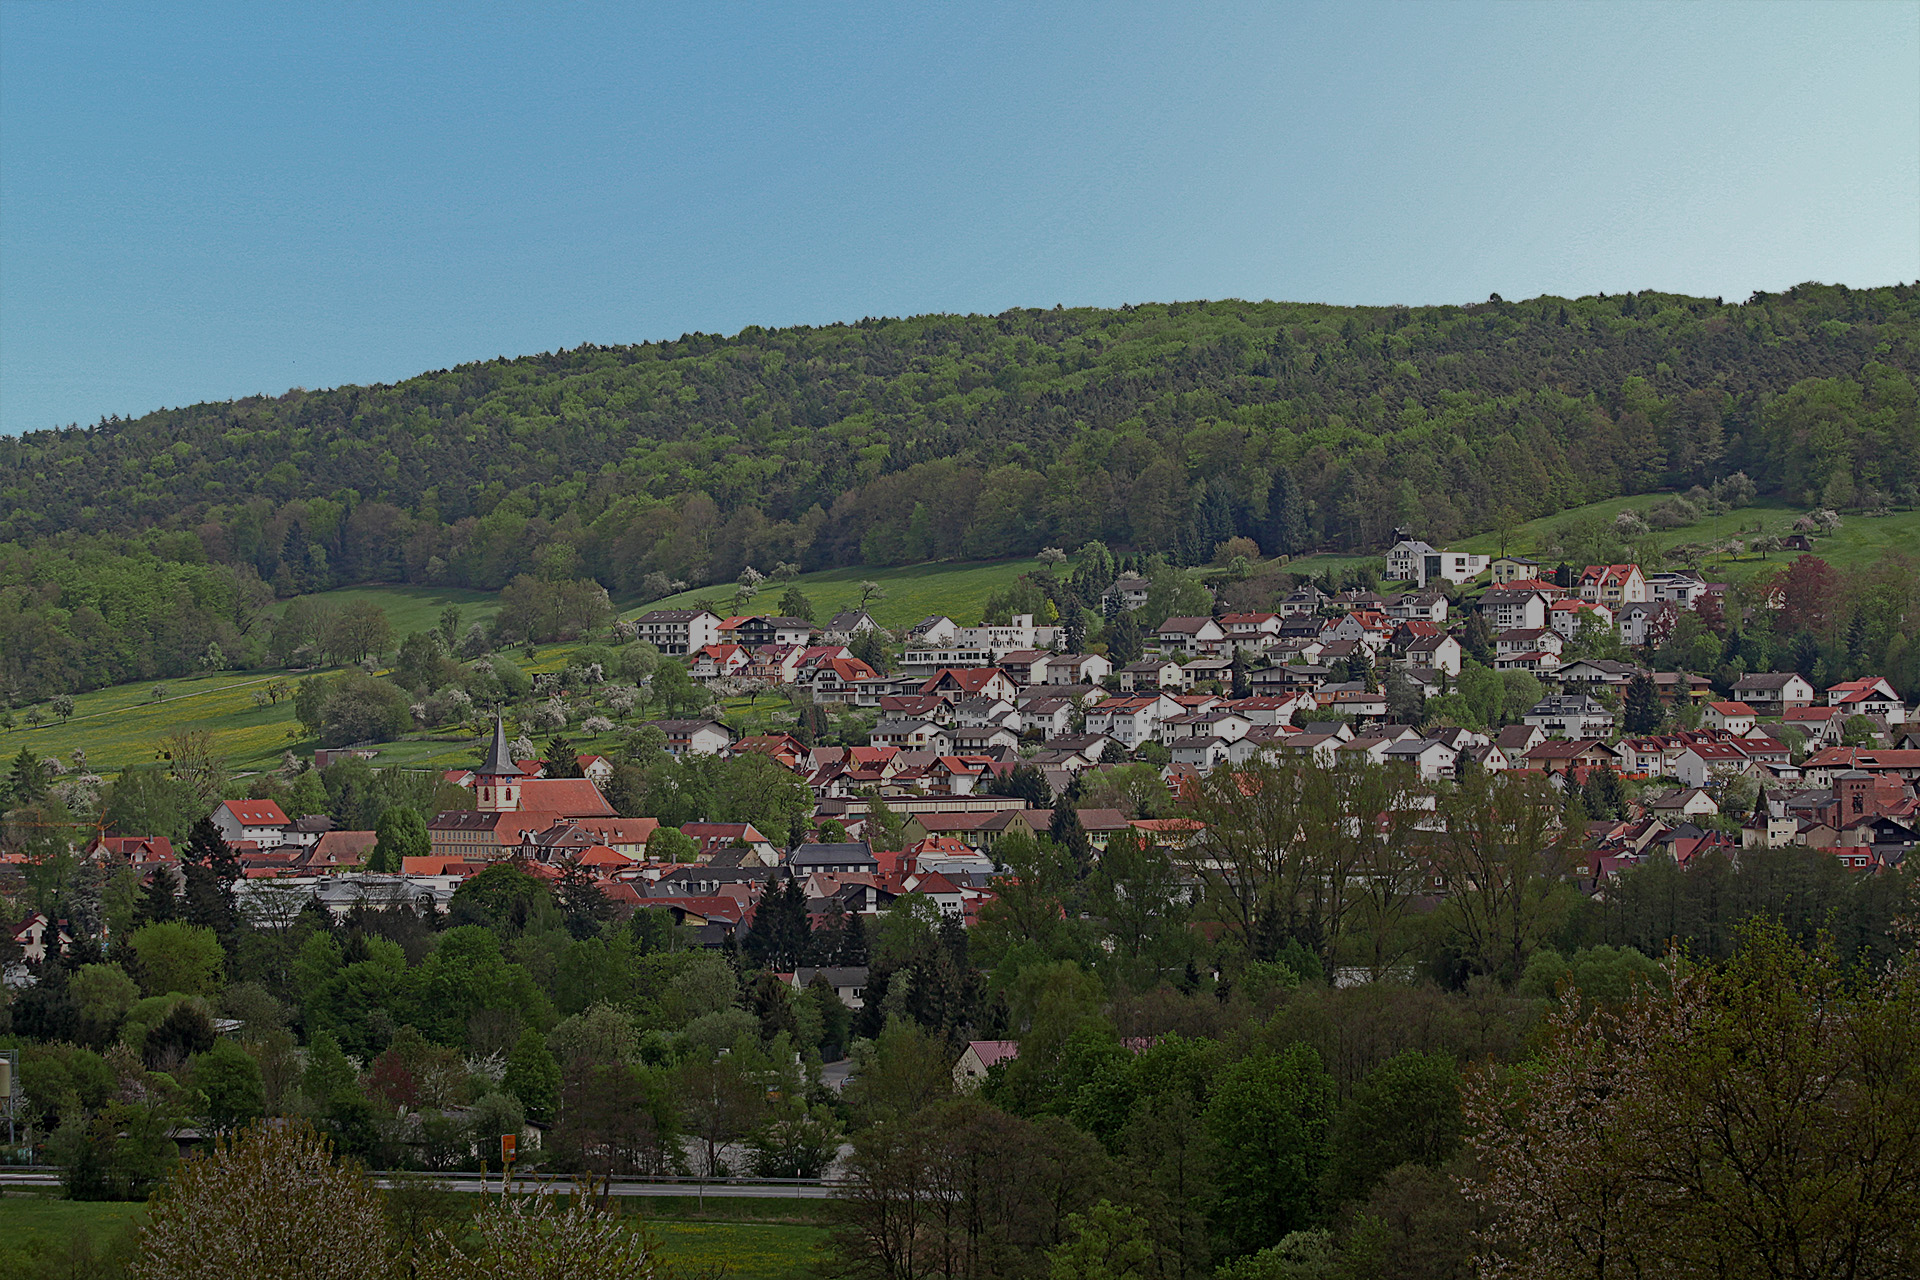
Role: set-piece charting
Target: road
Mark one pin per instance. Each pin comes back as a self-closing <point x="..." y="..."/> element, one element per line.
<point x="471" y="1184"/>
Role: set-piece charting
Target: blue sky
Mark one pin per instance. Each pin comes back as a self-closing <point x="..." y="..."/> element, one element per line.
<point x="211" y="200"/>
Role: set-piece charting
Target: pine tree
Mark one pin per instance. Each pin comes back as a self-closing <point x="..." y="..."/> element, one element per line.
<point x="1237" y="668"/>
<point x="1067" y="831"/>
<point x="1642" y="712"/>
<point x="1286" y="532"/>
<point x="562" y="760"/>
<point x="1124" y="641"/>
<point x="853" y="946"/>
<point x="157" y="903"/>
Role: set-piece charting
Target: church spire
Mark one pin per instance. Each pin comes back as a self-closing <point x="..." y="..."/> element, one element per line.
<point x="499" y="763"/>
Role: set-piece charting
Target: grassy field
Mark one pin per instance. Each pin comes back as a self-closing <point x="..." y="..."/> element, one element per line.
<point x="416" y="608"/>
<point x="742" y="1239"/>
<point x="123" y="725"/>
<point x="913" y="592"/>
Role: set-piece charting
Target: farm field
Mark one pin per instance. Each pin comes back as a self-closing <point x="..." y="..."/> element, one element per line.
<point x="763" y="1240"/>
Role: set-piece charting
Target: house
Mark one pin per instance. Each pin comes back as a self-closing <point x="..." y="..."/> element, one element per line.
<point x="1612" y="584"/>
<point x="694" y="737"/>
<point x="1508" y="568"/>
<point x="1076" y="668"/>
<point x="971" y="1071"/>
<point x="1869" y="696"/>
<point x="1417" y="606"/>
<point x="838" y="680"/>
<point x="935" y="629"/>
<point x="1131" y="721"/>
<point x="844" y="626"/>
<point x="259" y="822"/>
<point x="1566" y="617"/>
<point x="913" y="735"/>
<point x="1441" y="652"/>
<point x="855" y="856"/>
<point x="1556" y="756"/>
<point x="1517" y="739"/>
<point x="1127" y="592"/>
<point x="1191" y="636"/>
<point x="1774" y="693"/>
<point x="1251" y="630"/>
<point x="1025" y="667"/>
<point x="1304" y="602"/>
<point x="595" y="768"/>
<point x="1570" y="716"/>
<point x="1735" y="717"/>
<point x="958" y="685"/>
<point x="1706" y="764"/>
<point x="1596" y="673"/>
<point x="1151" y="673"/>
<point x="1824" y="726"/>
<point x="983" y="739"/>
<point x="1676" y="687"/>
<point x="1048" y="717"/>
<point x="1419" y="563"/>
<point x="1433" y="759"/>
<point x="1642" y="625"/>
<point x="756" y="630"/>
<point x="1527" y="649"/>
<point x="1508" y="610"/>
<point x="678" y="631"/>
<point x="849" y="984"/>
<point x="1685" y="805"/>
<point x="976" y="713"/>
<point x="710" y="838"/>
<point x="718" y="661"/>
<point x="1682" y="589"/>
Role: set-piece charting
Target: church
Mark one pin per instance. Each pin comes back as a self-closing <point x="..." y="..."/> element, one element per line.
<point x="509" y="805"/>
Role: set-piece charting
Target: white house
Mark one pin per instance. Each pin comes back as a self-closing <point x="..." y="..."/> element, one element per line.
<point x="258" y="821"/>
<point x="1507" y="610"/>
<point x="1419" y="563"/>
<point x="1734" y="717"/>
<point x="1570" y="716"/>
<point x="1131" y="721"/>
<point x="1705" y="764"/>
<point x="1191" y="636"/>
<point x="678" y="631"/>
<point x="1435" y="760"/>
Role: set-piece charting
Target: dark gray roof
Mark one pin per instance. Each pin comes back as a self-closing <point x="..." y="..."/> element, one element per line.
<point x="831" y="855"/>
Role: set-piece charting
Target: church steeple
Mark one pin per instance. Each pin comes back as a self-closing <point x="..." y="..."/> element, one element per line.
<point x="498" y="780"/>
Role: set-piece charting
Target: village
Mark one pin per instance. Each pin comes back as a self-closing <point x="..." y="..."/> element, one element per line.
<point x="982" y="731"/>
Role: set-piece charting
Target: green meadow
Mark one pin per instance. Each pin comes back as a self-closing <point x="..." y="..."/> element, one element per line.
<point x="958" y="590"/>
<point x="43" y="1235"/>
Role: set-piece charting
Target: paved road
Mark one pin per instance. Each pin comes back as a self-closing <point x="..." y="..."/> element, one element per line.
<point x="717" y="1190"/>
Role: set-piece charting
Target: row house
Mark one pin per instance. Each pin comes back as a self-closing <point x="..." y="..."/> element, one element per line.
<point x="997" y="638"/>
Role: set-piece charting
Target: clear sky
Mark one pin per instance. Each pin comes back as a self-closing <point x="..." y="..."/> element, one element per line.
<point x="205" y="200"/>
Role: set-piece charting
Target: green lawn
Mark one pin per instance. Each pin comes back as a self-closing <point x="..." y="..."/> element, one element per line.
<point x="742" y="1239"/>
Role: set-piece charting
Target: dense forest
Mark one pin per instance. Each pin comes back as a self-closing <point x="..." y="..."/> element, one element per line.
<point x="129" y="546"/>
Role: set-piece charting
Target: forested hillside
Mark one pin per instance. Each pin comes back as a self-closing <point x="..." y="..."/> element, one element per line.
<point x="130" y="545"/>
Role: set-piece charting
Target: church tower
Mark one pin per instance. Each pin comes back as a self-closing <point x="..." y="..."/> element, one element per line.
<point x="498" y="781"/>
